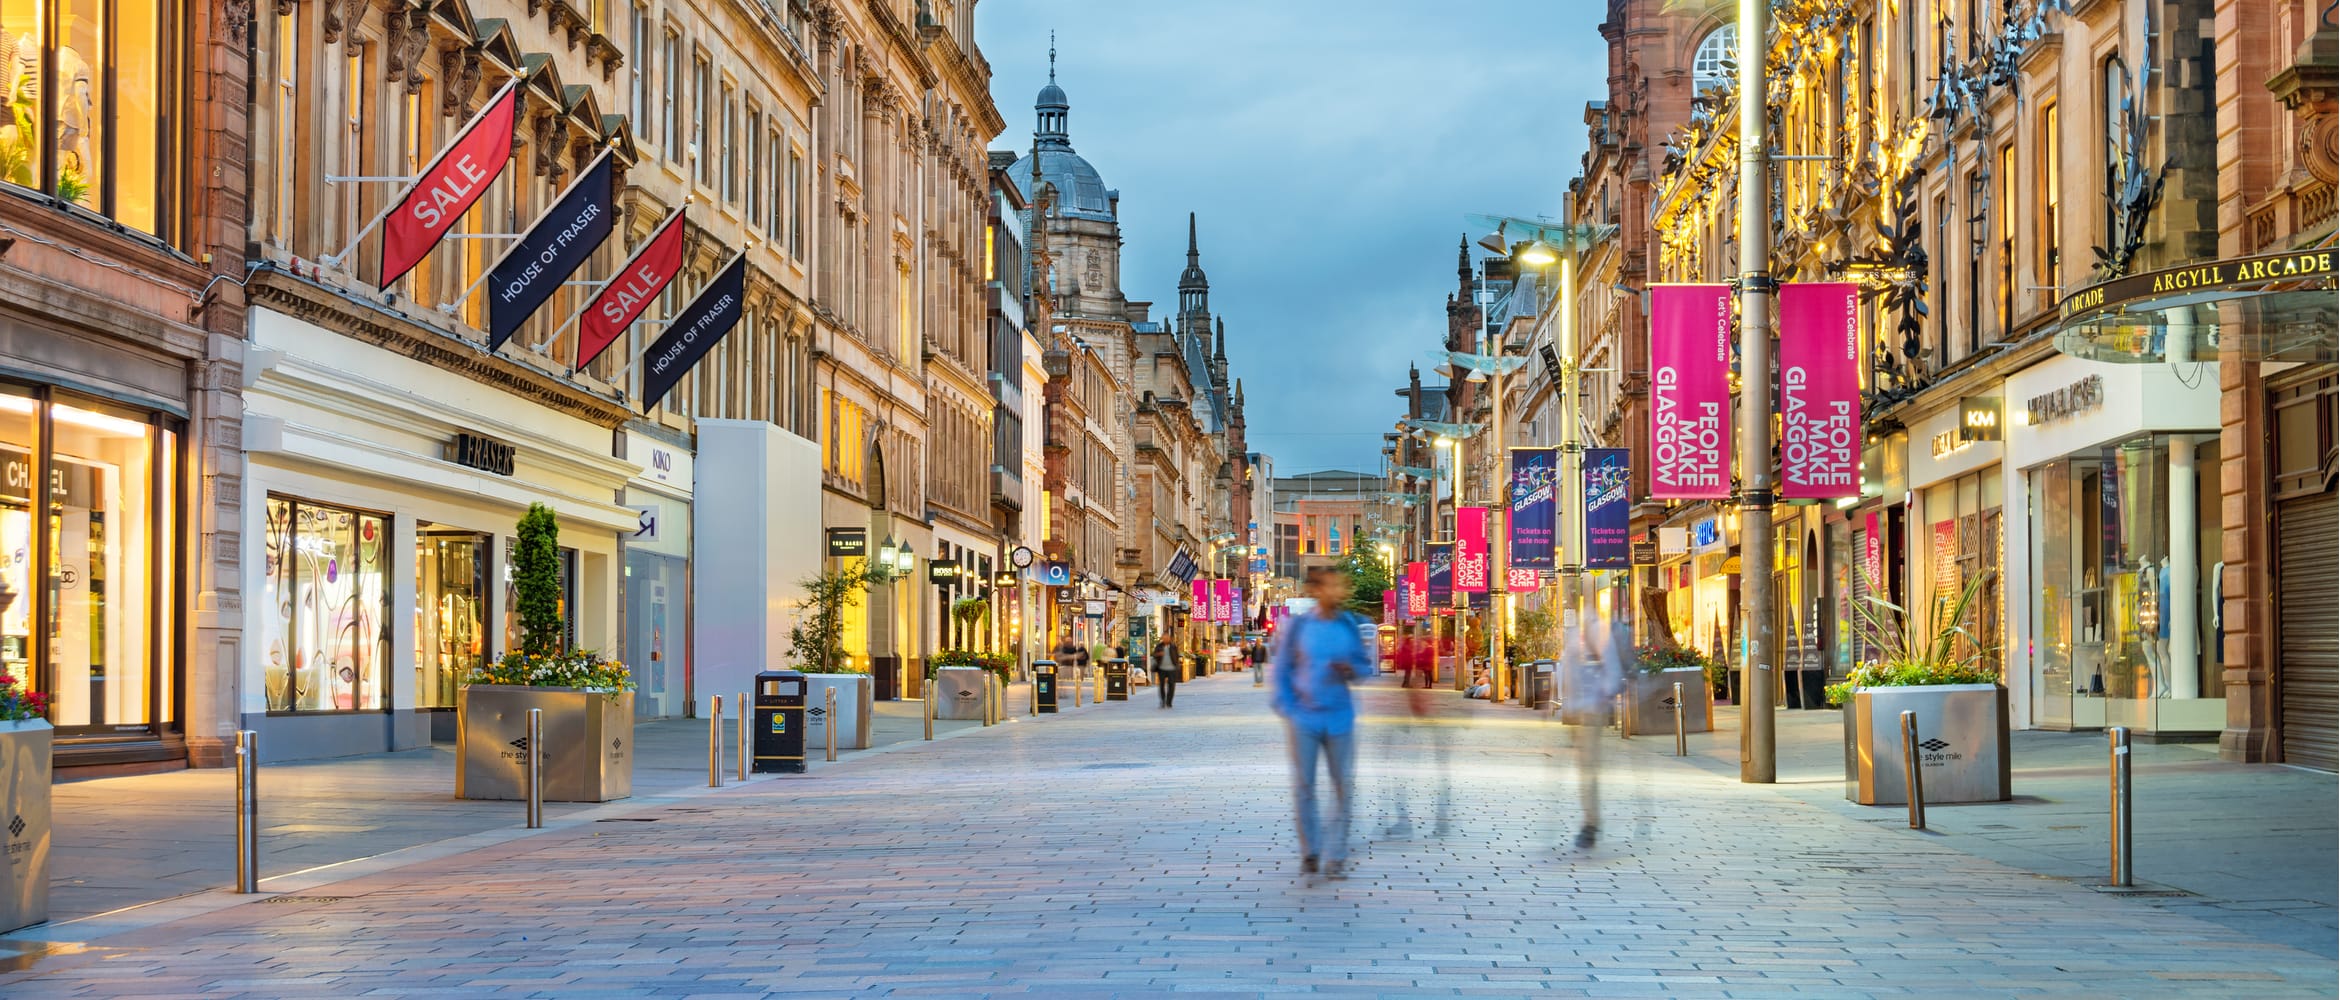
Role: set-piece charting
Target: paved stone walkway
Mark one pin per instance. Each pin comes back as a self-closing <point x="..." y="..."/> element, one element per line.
<point x="1133" y="852"/>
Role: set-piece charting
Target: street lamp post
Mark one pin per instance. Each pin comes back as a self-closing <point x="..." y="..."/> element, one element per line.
<point x="1757" y="760"/>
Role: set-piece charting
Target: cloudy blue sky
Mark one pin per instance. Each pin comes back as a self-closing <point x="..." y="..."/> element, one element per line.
<point x="1331" y="148"/>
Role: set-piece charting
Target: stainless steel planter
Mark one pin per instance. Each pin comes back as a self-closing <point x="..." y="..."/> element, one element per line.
<point x="588" y="743"/>
<point x="958" y="693"/>
<point x="1653" y="701"/>
<point x="853" y="708"/>
<point x="1962" y="734"/>
<point x="24" y="823"/>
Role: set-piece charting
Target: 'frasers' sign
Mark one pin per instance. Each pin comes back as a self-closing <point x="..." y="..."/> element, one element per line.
<point x="1690" y="393"/>
<point x="1819" y="391"/>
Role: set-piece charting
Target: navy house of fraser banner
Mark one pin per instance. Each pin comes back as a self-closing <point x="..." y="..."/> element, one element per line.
<point x="1534" y="476"/>
<point x="695" y="331"/>
<point x="1441" y="575"/>
<point x="1608" y="475"/>
<point x="554" y="248"/>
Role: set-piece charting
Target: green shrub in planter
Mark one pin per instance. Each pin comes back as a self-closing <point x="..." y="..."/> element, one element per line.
<point x="1917" y="650"/>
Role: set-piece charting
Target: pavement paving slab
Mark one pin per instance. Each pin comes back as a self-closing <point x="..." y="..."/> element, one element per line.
<point x="1006" y="861"/>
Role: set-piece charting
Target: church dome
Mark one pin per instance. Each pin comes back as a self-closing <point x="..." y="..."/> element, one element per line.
<point x="1080" y="193"/>
<point x="1051" y="96"/>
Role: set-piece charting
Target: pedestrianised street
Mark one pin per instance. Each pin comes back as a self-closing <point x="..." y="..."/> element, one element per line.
<point x="1126" y="851"/>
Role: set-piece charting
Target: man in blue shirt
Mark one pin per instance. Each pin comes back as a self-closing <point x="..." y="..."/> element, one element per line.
<point x="1315" y="659"/>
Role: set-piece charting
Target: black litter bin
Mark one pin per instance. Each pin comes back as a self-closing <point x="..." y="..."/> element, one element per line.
<point x="1117" y="679"/>
<point x="1044" y="685"/>
<point x="779" y="742"/>
<point x="1543" y="684"/>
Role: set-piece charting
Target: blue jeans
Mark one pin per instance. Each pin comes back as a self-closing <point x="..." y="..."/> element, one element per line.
<point x="1318" y="838"/>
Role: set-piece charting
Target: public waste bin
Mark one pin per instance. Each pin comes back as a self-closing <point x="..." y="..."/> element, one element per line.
<point x="1543" y="685"/>
<point x="1044" y="685"/>
<point x="779" y="722"/>
<point x="958" y="693"/>
<point x="1117" y="679"/>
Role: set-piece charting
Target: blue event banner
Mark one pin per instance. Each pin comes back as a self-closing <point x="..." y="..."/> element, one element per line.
<point x="1533" y="528"/>
<point x="1441" y="575"/>
<point x="1608" y="476"/>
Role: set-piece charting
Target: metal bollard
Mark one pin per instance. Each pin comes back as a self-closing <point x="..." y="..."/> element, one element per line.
<point x="743" y="736"/>
<point x="928" y="709"/>
<point x="2122" y="825"/>
<point x="1681" y="735"/>
<point x="1080" y="682"/>
<point x="1913" y="772"/>
<point x="1035" y="695"/>
<point x="715" y="743"/>
<point x="247" y="811"/>
<point x="987" y="703"/>
<point x="829" y="720"/>
<point x="1624" y="717"/>
<point x="534" y="781"/>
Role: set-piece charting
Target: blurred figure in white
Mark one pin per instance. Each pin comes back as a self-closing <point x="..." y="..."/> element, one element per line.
<point x="1594" y="656"/>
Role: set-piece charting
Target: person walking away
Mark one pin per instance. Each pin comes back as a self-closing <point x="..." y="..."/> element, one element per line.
<point x="1256" y="654"/>
<point x="1163" y="664"/>
<point x="1320" y="653"/>
<point x="1595" y="658"/>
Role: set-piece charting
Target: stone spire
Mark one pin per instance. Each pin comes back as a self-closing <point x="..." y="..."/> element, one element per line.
<point x="1194" y="290"/>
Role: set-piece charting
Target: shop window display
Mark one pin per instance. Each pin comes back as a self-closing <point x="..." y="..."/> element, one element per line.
<point x="328" y="605"/>
<point x="450" y="614"/>
<point x="2127" y="632"/>
<point x="91" y="628"/>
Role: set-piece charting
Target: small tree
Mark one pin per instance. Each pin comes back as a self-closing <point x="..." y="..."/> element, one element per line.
<point x="1368" y="577"/>
<point x="536" y="581"/>
<point x="817" y="640"/>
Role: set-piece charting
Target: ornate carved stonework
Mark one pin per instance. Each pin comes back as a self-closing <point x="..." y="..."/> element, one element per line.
<point x="458" y="77"/>
<point x="284" y="8"/>
<point x="548" y="144"/>
<point x="236" y="18"/>
<point x="410" y="36"/>
<point x="341" y="17"/>
<point x="826" y="20"/>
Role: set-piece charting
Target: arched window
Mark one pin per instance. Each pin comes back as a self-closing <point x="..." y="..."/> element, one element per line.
<point x="1711" y="64"/>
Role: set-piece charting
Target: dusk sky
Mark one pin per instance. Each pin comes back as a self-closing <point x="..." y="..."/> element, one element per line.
<point x="1331" y="149"/>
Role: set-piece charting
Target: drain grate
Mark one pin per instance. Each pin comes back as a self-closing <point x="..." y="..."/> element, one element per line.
<point x="304" y="899"/>
<point x="1114" y="766"/>
<point x="629" y="819"/>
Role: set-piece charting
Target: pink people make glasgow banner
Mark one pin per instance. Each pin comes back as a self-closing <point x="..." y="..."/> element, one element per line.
<point x="1470" y="550"/>
<point x="1417" y="589"/>
<point x="1819" y="391"/>
<point x="1222" y="600"/>
<point x="1201" y="611"/>
<point x="1690" y="392"/>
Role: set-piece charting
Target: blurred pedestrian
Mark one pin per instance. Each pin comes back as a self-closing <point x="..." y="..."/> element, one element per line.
<point x="1320" y="653"/>
<point x="1256" y="654"/>
<point x="1595" y="657"/>
<point x="1163" y="664"/>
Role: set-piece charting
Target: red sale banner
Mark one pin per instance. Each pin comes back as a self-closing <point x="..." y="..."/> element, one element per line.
<point x="1417" y="589"/>
<point x="447" y="188"/>
<point x="636" y="285"/>
<point x="1470" y="551"/>
<point x="1690" y="391"/>
<point x="1819" y="391"/>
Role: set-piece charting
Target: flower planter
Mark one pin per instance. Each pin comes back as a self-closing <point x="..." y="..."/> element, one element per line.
<point x="25" y="830"/>
<point x="588" y="743"/>
<point x="853" y="710"/>
<point x="958" y="693"/>
<point x="1652" y="696"/>
<point x="1962" y="733"/>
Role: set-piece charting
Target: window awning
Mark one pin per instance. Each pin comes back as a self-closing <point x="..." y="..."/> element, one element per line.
<point x="2272" y="307"/>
